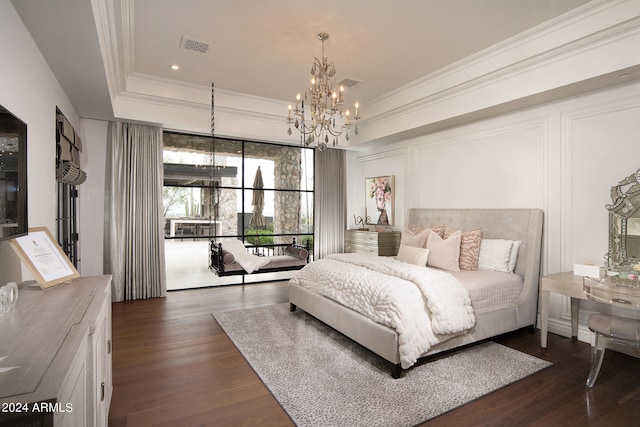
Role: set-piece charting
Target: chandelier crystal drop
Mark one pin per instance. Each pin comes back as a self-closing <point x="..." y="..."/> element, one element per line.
<point x="319" y="116"/>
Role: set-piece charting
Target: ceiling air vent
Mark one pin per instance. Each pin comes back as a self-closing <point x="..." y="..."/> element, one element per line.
<point x="349" y="82"/>
<point x="190" y="43"/>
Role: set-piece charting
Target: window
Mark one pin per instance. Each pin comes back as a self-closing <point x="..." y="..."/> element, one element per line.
<point x="210" y="186"/>
<point x="68" y="175"/>
<point x="66" y="221"/>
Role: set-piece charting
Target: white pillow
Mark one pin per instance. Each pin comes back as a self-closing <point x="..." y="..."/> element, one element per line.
<point x="494" y="254"/>
<point x="413" y="255"/>
<point x="417" y="239"/>
<point x="444" y="254"/>
<point x="513" y="257"/>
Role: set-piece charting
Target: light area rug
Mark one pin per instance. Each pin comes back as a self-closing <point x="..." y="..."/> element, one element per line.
<point x="322" y="378"/>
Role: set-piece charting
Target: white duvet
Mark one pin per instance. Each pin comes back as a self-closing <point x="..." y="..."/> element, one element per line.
<point x="423" y="305"/>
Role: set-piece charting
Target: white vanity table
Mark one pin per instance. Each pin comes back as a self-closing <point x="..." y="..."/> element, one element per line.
<point x="567" y="284"/>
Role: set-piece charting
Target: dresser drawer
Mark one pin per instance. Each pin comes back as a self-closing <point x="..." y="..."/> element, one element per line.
<point x="354" y="247"/>
<point x="362" y="237"/>
<point x="379" y="243"/>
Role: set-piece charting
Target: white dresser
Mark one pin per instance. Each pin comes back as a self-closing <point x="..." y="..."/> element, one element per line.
<point x="58" y="343"/>
<point x="384" y="243"/>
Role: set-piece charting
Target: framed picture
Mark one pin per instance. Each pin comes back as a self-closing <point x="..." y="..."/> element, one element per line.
<point x="379" y="193"/>
<point x="44" y="257"/>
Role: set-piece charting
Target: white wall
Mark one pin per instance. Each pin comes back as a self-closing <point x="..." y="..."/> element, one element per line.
<point x="31" y="92"/>
<point x="561" y="157"/>
<point x="91" y="197"/>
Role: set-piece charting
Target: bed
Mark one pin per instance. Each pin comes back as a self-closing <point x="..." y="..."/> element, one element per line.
<point x="231" y="257"/>
<point x="492" y="302"/>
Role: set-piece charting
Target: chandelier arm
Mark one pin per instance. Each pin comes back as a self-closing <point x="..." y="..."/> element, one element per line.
<point x="309" y="128"/>
<point x="337" y="133"/>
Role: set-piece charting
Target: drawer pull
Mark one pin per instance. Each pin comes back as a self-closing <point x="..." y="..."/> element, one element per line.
<point x="102" y="386"/>
<point x="621" y="301"/>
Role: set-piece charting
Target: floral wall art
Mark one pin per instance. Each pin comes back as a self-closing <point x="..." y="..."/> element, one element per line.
<point x="379" y="200"/>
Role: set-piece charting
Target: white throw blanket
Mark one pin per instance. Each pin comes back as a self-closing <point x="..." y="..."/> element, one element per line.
<point x="420" y="303"/>
<point x="248" y="261"/>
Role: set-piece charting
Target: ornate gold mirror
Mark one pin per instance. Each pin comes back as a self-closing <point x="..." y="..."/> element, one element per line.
<point x="624" y="224"/>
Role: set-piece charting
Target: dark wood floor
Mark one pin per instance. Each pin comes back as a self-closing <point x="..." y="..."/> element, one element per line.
<point x="174" y="366"/>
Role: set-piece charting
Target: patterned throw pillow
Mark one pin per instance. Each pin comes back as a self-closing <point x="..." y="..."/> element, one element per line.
<point x="470" y="249"/>
<point x="438" y="229"/>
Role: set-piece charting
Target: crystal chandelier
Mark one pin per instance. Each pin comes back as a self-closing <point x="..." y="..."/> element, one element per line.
<point x="319" y="116"/>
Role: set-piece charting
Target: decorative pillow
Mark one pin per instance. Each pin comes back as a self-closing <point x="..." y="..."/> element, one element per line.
<point x="416" y="238"/>
<point x="444" y="253"/>
<point x="494" y="254"/>
<point x="413" y="255"/>
<point x="438" y="229"/>
<point x="469" y="248"/>
<point x="227" y="257"/>
<point x="513" y="257"/>
<point x="301" y="253"/>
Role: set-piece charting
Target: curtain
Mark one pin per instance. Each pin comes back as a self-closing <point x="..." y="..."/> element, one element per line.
<point x="331" y="201"/>
<point x="135" y="216"/>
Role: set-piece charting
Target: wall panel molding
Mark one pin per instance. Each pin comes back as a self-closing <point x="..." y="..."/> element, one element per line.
<point x="570" y="121"/>
<point x="382" y="155"/>
<point x="485" y="129"/>
<point x="389" y="162"/>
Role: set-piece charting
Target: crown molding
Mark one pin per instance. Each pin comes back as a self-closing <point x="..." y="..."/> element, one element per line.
<point x="544" y="38"/>
<point x="194" y="115"/>
<point x="628" y="29"/>
<point x="556" y="54"/>
<point x="170" y="91"/>
<point x="531" y="65"/>
<point x="105" y="19"/>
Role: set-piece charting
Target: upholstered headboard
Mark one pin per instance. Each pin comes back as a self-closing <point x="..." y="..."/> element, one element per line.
<point x="512" y="224"/>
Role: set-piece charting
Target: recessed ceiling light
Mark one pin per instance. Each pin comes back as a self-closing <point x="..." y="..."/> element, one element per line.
<point x="175" y="67"/>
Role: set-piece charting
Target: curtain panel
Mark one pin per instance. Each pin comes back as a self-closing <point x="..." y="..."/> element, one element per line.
<point x="136" y="222"/>
<point x="331" y="201"/>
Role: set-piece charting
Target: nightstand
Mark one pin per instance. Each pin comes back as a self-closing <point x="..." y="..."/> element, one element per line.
<point x="384" y="243"/>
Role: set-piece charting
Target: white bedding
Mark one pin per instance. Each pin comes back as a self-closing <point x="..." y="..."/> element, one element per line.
<point x="424" y="305"/>
<point x="490" y="289"/>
